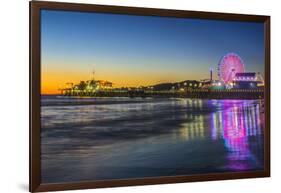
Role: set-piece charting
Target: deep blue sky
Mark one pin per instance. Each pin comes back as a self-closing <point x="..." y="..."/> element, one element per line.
<point x="133" y="47"/>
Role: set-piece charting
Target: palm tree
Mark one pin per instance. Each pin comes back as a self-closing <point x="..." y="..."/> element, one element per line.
<point x="82" y="85"/>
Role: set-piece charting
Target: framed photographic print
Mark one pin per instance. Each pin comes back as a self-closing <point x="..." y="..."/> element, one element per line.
<point x="124" y="96"/>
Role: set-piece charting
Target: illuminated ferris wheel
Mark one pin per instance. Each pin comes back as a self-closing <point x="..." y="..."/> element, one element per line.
<point x="229" y="65"/>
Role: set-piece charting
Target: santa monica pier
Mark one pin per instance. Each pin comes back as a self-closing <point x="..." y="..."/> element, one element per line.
<point x="233" y="82"/>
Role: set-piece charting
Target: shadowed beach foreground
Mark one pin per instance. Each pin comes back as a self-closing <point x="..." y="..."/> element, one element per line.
<point x="86" y="139"/>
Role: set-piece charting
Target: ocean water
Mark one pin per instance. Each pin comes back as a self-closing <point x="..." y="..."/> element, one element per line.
<point x="87" y="139"/>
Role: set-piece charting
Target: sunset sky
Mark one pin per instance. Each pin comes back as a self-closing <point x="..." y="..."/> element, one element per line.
<point x="140" y="50"/>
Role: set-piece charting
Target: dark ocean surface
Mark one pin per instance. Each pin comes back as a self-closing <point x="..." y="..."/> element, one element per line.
<point x="86" y="139"/>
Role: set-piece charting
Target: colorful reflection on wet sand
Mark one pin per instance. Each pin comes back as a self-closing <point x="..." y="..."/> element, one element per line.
<point x="132" y="138"/>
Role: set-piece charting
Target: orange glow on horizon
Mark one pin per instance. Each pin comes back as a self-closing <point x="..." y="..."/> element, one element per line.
<point x="53" y="79"/>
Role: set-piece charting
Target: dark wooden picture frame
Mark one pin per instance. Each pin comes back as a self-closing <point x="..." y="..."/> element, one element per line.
<point x="35" y="169"/>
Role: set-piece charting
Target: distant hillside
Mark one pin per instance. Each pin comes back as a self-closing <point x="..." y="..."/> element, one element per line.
<point x="176" y="85"/>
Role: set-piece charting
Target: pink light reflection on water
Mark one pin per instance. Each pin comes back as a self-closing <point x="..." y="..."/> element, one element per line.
<point x="235" y="124"/>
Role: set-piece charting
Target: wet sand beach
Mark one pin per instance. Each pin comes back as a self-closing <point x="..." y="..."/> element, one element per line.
<point x="85" y="139"/>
